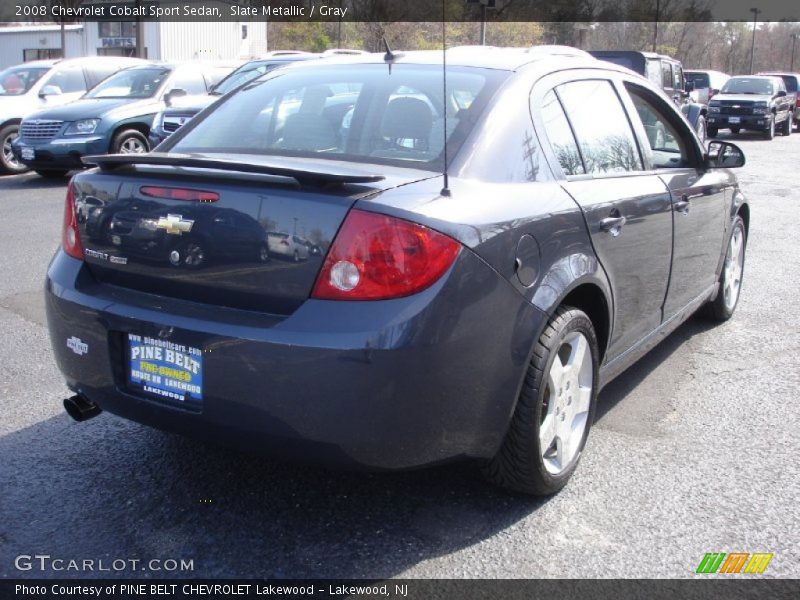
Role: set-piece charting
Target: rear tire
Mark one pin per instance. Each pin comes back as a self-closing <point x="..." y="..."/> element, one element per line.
<point x="786" y="127"/>
<point x="9" y="165"/>
<point x="554" y="411"/>
<point x="51" y="173"/>
<point x="722" y="307"/>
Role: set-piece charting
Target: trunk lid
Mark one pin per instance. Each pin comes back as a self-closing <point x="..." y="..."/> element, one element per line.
<point x="258" y="246"/>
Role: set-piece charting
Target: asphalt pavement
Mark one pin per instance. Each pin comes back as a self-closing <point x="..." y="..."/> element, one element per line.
<point x="695" y="449"/>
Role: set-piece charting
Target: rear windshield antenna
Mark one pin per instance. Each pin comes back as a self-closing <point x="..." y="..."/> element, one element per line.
<point x="446" y="189"/>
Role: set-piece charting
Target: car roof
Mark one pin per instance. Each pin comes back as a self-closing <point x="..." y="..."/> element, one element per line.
<point x="487" y="57"/>
<point x="759" y="76"/>
<point x="780" y="74"/>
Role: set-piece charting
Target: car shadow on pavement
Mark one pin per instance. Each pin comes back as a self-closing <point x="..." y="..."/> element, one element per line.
<point x="31" y="182"/>
<point x="630" y="379"/>
<point x="108" y="487"/>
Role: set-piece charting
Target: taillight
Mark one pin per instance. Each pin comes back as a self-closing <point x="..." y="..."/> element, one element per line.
<point x="171" y="193"/>
<point x="376" y="257"/>
<point x="70" y="236"/>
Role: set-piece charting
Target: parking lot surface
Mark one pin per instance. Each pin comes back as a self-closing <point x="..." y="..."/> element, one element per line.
<point x="693" y="450"/>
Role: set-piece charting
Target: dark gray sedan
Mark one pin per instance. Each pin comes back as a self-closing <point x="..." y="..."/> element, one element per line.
<point x="473" y="315"/>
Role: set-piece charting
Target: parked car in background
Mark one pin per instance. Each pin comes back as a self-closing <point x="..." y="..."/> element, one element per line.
<point x="704" y="85"/>
<point x="181" y="110"/>
<point x="754" y="102"/>
<point x="469" y="316"/>
<point x="666" y="73"/>
<point x="115" y="116"/>
<point x="287" y="245"/>
<point x="40" y="84"/>
<point x="792" y="83"/>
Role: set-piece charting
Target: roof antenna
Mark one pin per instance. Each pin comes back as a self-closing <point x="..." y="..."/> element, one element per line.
<point x="389" y="56"/>
<point x="446" y="189"/>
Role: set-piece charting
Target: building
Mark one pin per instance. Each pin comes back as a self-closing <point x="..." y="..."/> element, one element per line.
<point x="163" y="40"/>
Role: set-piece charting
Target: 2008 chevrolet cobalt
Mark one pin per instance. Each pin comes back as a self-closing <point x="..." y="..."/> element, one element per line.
<point x="411" y="318"/>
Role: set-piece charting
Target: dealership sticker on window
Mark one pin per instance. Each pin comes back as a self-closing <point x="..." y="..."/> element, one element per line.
<point x="168" y="370"/>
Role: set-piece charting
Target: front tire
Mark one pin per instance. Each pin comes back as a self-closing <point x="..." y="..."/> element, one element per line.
<point x="730" y="280"/>
<point x="735" y="130"/>
<point x="770" y="132"/>
<point x="786" y="127"/>
<point x="713" y="132"/>
<point x="554" y="411"/>
<point x="9" y="165"/>
<point x="129" y="141"/>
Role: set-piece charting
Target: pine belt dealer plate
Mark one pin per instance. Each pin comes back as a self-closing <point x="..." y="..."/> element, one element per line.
<point x="166" y="370"/>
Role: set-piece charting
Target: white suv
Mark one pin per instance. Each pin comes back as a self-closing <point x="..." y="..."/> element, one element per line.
<point x="40" y="84"/>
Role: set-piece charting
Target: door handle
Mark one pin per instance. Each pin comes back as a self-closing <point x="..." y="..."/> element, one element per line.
<point x="682" y="206"/>
<point x="613" y="225"/>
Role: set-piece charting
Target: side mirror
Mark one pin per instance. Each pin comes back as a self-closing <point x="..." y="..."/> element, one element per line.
<point x="49" y="90"/>
<point x="172" y="94"/>
<point x="781" y="93"/>
<point x="724" y="155"/>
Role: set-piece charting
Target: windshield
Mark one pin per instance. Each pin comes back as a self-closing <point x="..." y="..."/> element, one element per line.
<point x="244" y="74"/>
<point x="361" y="113"/>
<point x="749" y="85"/>
<point x="131" y="83"/>
<point x="19" y="80"/>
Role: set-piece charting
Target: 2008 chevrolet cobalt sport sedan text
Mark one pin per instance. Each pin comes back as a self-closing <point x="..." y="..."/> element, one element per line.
<point x="582" y="222"/>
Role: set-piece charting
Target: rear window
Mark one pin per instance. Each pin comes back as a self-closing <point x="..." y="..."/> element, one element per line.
<point x="360" y="113"/>
<point x="699" y="80"/>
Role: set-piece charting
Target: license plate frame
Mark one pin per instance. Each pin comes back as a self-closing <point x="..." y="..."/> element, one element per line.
<point x="734" y="120"/>
<point x="167" y="371"/>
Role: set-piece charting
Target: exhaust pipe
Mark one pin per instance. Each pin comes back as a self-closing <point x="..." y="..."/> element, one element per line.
<point x="81" y="409"/>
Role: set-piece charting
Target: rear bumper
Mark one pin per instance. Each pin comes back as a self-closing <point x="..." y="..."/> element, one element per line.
<point x="745" y="121"/>
<point x="61" y="153"/>
<point x="383" y="385"/>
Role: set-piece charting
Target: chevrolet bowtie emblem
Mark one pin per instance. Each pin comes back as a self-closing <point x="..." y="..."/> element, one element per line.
<point x="175" y="224"/>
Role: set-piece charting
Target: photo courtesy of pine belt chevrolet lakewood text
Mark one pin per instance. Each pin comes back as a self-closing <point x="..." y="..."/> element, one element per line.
<point x="362" y="263"/>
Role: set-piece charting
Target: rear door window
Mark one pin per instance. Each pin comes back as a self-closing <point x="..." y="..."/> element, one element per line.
<point x="601" y="126"/>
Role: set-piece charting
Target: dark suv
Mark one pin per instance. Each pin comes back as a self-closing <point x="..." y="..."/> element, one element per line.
<point x="666" y="73"/>
<point x="755" y="102"/>
<point x="792" y="83"/>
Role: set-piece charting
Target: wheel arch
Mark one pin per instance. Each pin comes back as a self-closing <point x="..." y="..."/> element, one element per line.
<point x="11" y="121"/>
<point x="589" y="298"/>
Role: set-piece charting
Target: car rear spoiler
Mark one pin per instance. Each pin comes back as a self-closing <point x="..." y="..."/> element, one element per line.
<point x="320" y="178"/>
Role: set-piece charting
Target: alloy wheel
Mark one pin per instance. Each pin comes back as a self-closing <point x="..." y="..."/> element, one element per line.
<point x="8" y="155"/>
<point x="567" y="400"/>
<point x="132" y="145"/>
<point x="734" y="266"/>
